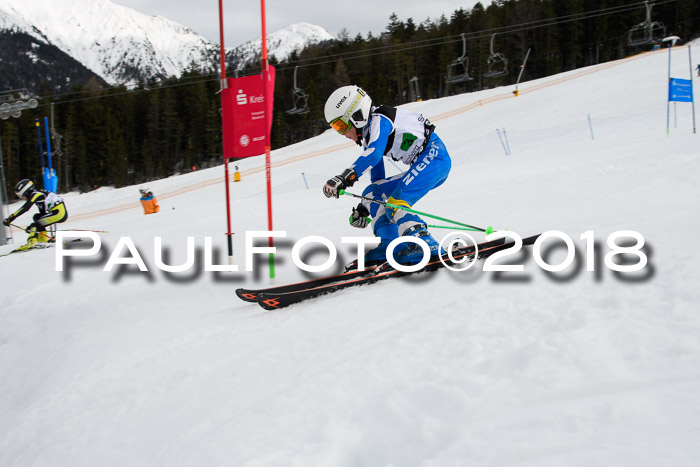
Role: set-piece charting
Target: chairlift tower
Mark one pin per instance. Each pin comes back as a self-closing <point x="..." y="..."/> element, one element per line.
<point x="300" y="98"/>
<point x="647" y="32"/>
<point x="414" y="90"/>
<point x="497" y="62"/>
<point x="458" y="69"/>
<point x="3" y="201"/>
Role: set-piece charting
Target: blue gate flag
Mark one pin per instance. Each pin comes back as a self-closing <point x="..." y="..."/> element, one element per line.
<point x="50" y="180"/>
<point x="680" y="90"/>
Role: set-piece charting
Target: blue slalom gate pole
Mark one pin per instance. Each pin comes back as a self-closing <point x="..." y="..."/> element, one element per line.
<point x="50" y="179"/>
<point x="41" y="146"/>
<point x="48" y="141"/>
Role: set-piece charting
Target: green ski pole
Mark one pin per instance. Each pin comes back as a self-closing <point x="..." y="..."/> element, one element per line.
<point x="403" y="208"/>
<point x="455" y="227"/>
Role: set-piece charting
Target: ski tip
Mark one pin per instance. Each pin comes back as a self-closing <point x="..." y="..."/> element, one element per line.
<point x="247" y="295"/>
<point x="268" y="302"/>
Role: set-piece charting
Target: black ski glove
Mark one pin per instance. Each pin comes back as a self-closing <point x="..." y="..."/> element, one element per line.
<point x="8" y="221"/>
<point x="339" y="182"/>
<point x="360" y="217"/>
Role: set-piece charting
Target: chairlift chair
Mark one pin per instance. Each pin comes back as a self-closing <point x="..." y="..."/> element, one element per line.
<point x="497" y="62"/>
<point x="458" y="70"/>
<point x="14" y="101"/>
<point x="299" y="97"/>
<point x="647" y="32"/>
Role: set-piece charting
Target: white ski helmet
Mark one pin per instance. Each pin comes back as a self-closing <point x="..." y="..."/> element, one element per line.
<point x="348" y="105"/>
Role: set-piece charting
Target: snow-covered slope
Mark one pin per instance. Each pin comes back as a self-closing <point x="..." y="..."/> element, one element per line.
<point x="480" y="369"/>
<point x="12" y="20"/>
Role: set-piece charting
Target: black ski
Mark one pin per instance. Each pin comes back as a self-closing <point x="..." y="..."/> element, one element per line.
<point x="273" y="300"/>
<point x="251" y="295"/>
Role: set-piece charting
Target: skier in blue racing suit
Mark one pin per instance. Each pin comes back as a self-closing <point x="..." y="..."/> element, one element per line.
<point x="404" y="136"/>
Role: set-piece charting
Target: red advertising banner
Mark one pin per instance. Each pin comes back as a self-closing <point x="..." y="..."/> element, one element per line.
<point x="243" y="115"/>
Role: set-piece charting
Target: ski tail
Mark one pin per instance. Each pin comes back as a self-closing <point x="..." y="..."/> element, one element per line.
<point x="251" y="295"/>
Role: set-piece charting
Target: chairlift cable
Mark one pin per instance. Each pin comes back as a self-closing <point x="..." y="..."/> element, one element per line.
<point x="387" y="49"/>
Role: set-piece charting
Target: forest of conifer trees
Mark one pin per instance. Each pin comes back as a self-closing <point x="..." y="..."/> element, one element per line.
<point x="114" y="136"/>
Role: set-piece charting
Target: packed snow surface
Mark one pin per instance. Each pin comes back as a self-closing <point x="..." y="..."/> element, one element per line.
<point x="574" y="368"/>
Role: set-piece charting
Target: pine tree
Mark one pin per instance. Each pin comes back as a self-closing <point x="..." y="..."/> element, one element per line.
<point x="115" y="156"/>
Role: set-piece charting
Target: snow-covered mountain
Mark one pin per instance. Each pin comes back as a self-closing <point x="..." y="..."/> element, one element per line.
<point x="28" y="63"/>
<point x="117" y="43"/>
<point x="280" y="44"/>
<point x="124" y="46"/>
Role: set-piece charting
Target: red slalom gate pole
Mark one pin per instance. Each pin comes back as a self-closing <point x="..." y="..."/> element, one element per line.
<point x="224" y="85"/>
<point x="268" y="174"/>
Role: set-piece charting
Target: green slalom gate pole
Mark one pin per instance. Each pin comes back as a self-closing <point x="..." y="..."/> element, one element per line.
<point x="488" y="230"/>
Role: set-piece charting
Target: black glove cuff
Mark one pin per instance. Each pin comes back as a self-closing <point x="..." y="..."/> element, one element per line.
<point x="349" y="177"/>
<point x="362" y="210"/>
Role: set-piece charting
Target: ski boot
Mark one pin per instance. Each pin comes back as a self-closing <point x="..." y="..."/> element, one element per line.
<point x="413" y="254"/>
<point x="43" y="237"/>
<point x="386" y="231"/>
<point x="377" y="255"/>
<point x="31" y="243"/>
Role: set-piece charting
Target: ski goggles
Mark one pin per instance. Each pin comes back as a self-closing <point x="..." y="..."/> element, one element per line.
<point x="340" y="125"/>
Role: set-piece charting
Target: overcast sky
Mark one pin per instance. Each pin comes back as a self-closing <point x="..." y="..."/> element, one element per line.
<point x="242" y="18"/>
